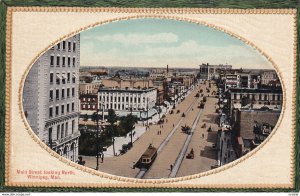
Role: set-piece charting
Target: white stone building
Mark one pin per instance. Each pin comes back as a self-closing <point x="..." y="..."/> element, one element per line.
<point x="50" y="97"/>
<point x="127" y="100"/>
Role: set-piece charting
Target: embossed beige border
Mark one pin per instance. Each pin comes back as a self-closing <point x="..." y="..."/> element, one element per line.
<point x="149" y="13"/>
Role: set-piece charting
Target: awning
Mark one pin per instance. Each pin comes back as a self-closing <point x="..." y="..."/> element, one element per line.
<point x="58" y="76"/>
<point x="64" y="76"/>
<point x="74" y="76"/>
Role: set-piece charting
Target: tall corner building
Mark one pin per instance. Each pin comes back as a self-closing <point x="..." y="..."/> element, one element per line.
<point x="51" y="98"/>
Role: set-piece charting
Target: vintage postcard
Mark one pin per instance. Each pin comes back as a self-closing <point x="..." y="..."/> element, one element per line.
<point x="150" y="97"/>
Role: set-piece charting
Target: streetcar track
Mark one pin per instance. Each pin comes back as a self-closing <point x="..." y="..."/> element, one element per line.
<point x="143" y="171"/>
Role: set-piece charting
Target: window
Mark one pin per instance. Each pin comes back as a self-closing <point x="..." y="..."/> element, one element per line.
<point x="278" y="98"/>
<point x="57" y="79"/>
<point x="57" y="61"/>
<point x="63" y="61"/>
<point x="51" y="60"/>
<point x="64" y="45"/>
<point x="69" y="61"/>
<point x="51" y="78"/>
<point x="57" y="94"/>
<point x="73" y="125"/>
<point x="68" y="92"/>
<point x="58" y="46"/>
<point x="62" y="109"/>
<point x="51" y="95"/>
<point x="62" y="130"/>
<point x="50" y="112"/>
<point x="73" y="107"/>
<point x="68" y="77"/>
<point x="69" y="46"/>
<point x="67" y="126"/>
<point x="58" y="131"/>
<point x="62" y="93"/>
<point x="266" y="97"/>
<point x="74" y="61"/>
<point x="73" y="78"/>
<point x="68" y="108"/>
<point x="56" y="110"/>
<point x="73" y="92"/>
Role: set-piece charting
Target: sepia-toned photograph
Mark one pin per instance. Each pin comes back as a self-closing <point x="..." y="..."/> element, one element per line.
<point x="152" y="98"/>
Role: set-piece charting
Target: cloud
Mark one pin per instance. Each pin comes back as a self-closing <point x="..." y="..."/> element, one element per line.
<point x="188" y="53"/>
<point x="138" y="38"/>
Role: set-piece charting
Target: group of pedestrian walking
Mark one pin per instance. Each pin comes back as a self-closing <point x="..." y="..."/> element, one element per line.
<point x="159" y="132"/>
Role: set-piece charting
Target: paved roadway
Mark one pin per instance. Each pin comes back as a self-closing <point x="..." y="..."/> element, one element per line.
<point x="170" y="144"/>
<point x="123" y="165"/>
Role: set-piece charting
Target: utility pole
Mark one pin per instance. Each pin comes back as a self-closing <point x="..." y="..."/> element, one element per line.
<point x="97" y="140"/>
<point x="147" y="111"/>
<point x="102" y="111"/>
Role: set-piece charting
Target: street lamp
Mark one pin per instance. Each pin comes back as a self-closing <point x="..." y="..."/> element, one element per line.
<point x="97" y="140"/>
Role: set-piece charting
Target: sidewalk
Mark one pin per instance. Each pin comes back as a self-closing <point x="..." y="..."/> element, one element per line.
<point x="119" y="141"/>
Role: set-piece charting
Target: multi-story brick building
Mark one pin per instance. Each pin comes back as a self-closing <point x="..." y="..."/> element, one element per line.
<point x="50" y="97"/>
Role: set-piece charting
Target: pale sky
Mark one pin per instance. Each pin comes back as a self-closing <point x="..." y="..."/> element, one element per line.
<point x="161" y="42"/>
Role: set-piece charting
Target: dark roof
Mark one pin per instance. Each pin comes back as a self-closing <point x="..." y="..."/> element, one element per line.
<point x="248" y="90"/>
<point x="87" y="96"/>
<point x="101" y="89"/>
<point x="248" y="119"/>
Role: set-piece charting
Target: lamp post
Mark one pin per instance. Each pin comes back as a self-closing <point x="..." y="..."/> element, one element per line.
<point x="97" y="140"/>
<point x="131" y="129"/>
<point x="147" y="111"/>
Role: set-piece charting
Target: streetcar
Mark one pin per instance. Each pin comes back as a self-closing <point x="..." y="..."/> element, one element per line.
<point x="147" y="158"/>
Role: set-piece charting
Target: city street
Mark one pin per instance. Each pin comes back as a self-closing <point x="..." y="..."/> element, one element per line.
<point x="170" y="148"/>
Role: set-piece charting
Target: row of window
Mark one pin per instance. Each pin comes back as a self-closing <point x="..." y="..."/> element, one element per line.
<point x="62" y="78"/>
<point x="64" y="44"/>
<point x="121" y="107"/>
<point x="260" y="96"/>
<point x="63" y="61"/>
<point x="56" y="111"/>
<point x="88" y="106"/>
<point x="62" y="130"/>
<point x="111" y="98"/>
<point x="61" y="95"/>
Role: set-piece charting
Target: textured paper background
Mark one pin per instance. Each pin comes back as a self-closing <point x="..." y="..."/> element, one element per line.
<point x="32" y="32"/>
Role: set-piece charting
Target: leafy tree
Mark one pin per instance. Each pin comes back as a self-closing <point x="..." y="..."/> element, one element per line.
<point x="112" y="129"/>
<point x="85" y="117"/>
<point x="112" y="117"/>
<point x="127" y="123"/>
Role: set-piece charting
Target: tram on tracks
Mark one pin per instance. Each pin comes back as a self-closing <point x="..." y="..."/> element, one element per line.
<point x="147" y="158"/>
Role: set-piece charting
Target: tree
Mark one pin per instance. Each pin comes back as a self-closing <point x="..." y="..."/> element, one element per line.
<point x="112" y="117"/>
<point x="127" y="124"/>
<point x="85" y="117"/>
<point x="112" y="129"/>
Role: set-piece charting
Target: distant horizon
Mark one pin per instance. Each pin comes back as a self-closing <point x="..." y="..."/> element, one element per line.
<point x="125" y="67"/>
<point x="158" y="42"/>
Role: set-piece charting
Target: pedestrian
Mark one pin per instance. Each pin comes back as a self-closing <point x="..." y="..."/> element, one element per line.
<point x="102" y="157"/>
<point x="173" y="125"/>
<point x="171" y="167"/>
<point x="202" y="135"/>
<point x="166" y="120"/>
<point x="157" y="132"/>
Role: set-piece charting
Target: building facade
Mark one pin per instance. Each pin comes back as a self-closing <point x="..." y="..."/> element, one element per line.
<point x="88" y="102"/>
<point x="127" y="100"/>
<point x="50" y="97"/>
<point x="209" y="72"/>
<point x="90" y="87"/>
